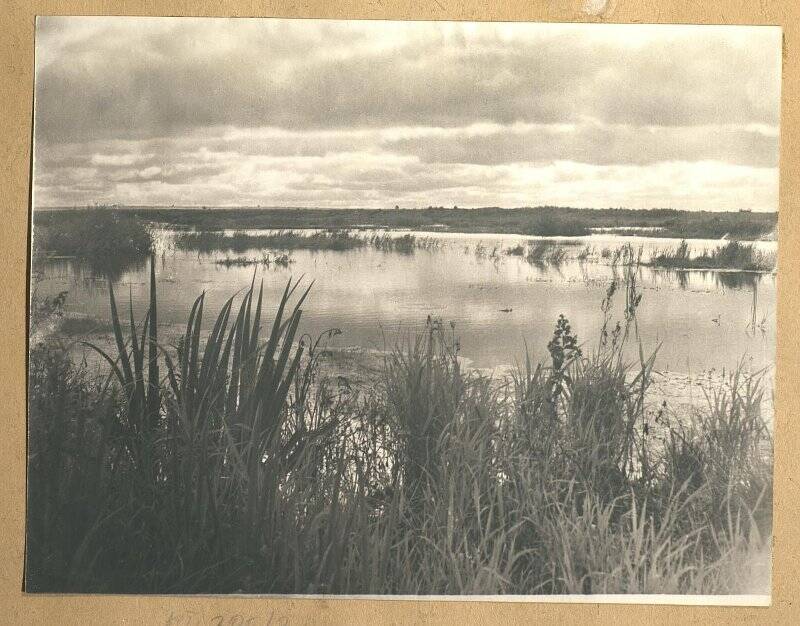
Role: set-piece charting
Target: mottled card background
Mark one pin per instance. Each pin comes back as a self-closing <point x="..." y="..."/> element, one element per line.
<point x="16" y="71"/>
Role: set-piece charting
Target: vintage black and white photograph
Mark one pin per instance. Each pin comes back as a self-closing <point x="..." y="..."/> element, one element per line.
<point x="384" y="308"/>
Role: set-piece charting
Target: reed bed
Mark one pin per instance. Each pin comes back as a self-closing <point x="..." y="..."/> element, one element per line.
<point x="277" y="260"/>
<point x="101" y="239"/>
<point x="482" y="251"/>
<point x="405" y="244"/>
<point x="540" y="252"/>
<point x="734" y="255"/>
<point x="213" y="241"/>
<point x="230" y="463"/>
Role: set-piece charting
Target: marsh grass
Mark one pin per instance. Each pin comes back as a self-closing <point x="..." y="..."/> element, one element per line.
<point x="102" y="239"/>
<point x="542" y="220"/>
<point x="734" y="255"/>
<point x="540" y="252"/>
<point x="546" y="252"/>
<point x="213" y="241"/>
<point x="405" y="244"/>
<point x="277" y="260"/>
<point x="484" y="252"/>
<point x="230" y="463"/>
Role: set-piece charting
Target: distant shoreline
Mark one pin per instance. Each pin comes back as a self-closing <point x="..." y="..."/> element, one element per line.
<point x="535" y="221"/>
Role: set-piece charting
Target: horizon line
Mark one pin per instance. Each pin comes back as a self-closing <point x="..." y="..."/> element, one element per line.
<point x="384" y="208"/>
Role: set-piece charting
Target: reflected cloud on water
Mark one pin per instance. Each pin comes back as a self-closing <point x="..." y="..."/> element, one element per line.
<point x="498" y="301"/>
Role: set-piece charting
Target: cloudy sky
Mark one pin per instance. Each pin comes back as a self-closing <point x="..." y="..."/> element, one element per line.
<point x="160" y="111"/>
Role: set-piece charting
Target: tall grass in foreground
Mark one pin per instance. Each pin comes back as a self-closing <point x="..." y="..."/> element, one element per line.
<point x="230" y="463"/>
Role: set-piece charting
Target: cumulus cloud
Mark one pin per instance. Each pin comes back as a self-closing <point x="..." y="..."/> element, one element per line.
<point x="330" y="113"/>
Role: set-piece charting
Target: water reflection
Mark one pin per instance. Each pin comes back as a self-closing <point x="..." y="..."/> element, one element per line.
<point x="87" y="275"/>
<point x="498" y="302"/>
<point x="738" y="280"/>
<point x="686" y="279"/>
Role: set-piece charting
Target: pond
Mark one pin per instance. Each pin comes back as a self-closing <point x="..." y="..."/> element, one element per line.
<point x="498" y="303"/>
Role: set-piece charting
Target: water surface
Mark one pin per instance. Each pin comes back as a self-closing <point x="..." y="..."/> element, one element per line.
<point x="498" y="303"/>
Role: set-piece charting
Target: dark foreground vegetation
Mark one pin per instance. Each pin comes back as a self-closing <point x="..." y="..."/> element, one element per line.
<point x="229" y="463"/>
<point x="544" y="221"/>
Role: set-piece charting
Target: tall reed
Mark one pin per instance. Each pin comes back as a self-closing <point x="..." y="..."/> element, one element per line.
<point x="231" y="462"/>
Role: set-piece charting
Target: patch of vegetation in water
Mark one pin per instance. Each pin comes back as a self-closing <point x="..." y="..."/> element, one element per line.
<point x="210" y="241"/>
<point x="540" y="252"/>
<point x="734" y="255"/>
<point x="278" y="260"/>
<point x="213" y="241"/>
<point x="107" y="241"/>
<point x="404" y="244"/>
